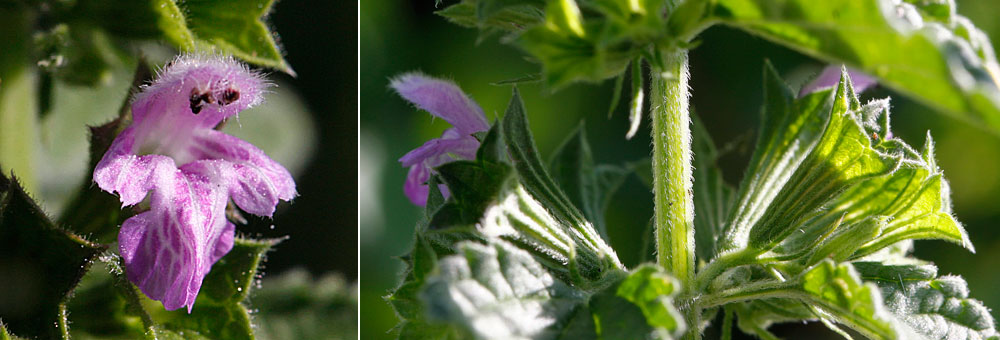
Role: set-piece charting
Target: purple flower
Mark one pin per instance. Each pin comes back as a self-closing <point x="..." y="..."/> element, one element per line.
<point x="831" y="76"/>
<point x="172" y="153"/>
<point x="442" y="99"/>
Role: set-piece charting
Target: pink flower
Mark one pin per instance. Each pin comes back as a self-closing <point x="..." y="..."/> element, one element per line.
<point x="442" y="99"/>
<point x="172" y="153"/>
<point x="831" y="76"/>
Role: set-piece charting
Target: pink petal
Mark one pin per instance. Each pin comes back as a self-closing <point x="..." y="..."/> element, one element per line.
<point x="831" y="76"/>
<point x="169" y="249"/>
<point x="415" y="186"/>
<point x="431" y="150"/>
<point x="171" y="153"/>
<point x="129" y="175"/>
<point x="443" y="99"/>
<point x="227" y="85"/>
<point x="254" y="181"/>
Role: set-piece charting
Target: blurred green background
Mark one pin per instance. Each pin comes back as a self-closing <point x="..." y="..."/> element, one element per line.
<point x="399" y="36"/>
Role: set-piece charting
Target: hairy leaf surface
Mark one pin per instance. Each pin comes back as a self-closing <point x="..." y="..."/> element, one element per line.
<point x="844" y="191"/>
<point x="41" y="262"/>
<point x="937" y="307"/>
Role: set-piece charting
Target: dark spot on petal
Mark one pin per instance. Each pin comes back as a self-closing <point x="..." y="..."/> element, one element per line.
<point x="228" y="96"/>
<point x="195" y="100"/>
<point x="198" y="98"/>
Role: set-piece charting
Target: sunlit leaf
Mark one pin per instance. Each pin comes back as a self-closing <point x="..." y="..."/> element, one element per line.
<point x="808" y="187"/>
<point x="839" y="290"/>
<point x="925" y="51"/>
<point x="937" y="307"/>
<point x="499" y="292"/>
<point x="237" y="28"/>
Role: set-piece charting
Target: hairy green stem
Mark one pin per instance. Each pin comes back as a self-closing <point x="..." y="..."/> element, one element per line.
<point x="752" y="291"/>
<point x="672" y="174"/>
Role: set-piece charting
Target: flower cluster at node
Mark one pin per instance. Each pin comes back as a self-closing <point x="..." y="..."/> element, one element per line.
<point x="172" y="157"/>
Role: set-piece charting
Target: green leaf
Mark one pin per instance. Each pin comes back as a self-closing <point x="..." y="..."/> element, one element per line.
<point x="106" y="305"/>
<point x="842" y="156"/>
<point x="593" y="252"/>
<point x="616" y="318"/>
<point x="473" y="185"/>
<point x="237" y="28"/>
<point x="143" y="19"/>
<point x="839" y="291"/>
<point x="569" y="55"/>
<point x="486" y="9"/>
<point x="220" y="311"/>
<point x="498" y="291"/>
<point x="788" y="130"/>
<point x="712" y="196"/>
<point x="635" y="108"/>
<point x="652" y="289"/>
<point x="230" y="27"/>
<point x="589" y="187"/>
<point x="40" y="264"/>
<point x="492" y="148"/>
<point x="528" y="163"/>
<point x="616" y="94"/>
<point x="496" y="16"/>
<point x="811" y="189"/>
<point x="927" y="52"/>
<point x="935" y="307"/>
<point x="4" y="335"/>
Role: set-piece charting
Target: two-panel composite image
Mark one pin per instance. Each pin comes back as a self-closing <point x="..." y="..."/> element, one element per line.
<point x="499" y="169"/>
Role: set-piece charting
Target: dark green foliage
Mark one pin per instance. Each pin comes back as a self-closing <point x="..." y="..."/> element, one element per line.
<point x="40" y="265"/>
<point x="220" y="311"/>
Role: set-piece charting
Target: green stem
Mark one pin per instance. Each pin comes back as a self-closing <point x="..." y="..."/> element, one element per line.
<point x="672" y="176"/>
<point x="752" y="291"/>
<point x="721" y="264"/>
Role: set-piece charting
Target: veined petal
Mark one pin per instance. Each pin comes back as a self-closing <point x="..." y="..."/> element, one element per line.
<point x="172" y="154"/>
<point x="130" y="175"/>
<point x="254" y="181"/>
<point x="443" y="99"/>
<point x="169" y="249"/>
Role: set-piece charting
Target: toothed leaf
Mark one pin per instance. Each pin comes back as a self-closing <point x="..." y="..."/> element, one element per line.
<point x="42" y="262"/>
<point x="937" y="307"/>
